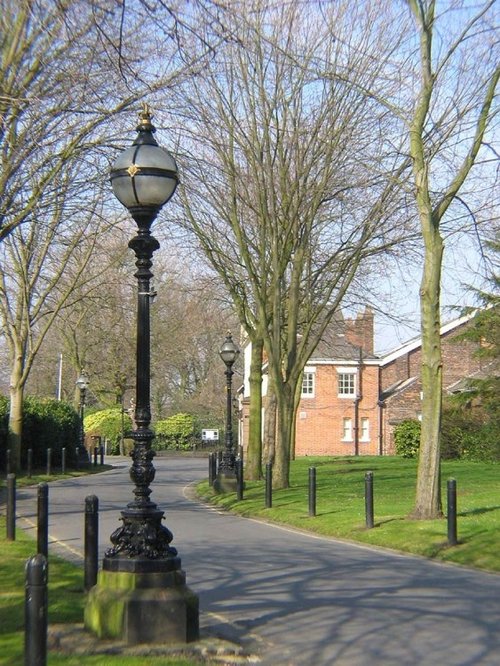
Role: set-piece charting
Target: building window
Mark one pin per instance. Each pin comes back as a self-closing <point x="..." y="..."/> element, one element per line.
<point x="347" y="430"/>
<point x="308" y="384"/>
<point x="365" y="430"/>
<point x="347" y="384"/>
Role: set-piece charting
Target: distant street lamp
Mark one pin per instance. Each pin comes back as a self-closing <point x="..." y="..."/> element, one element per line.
<point x="142" y="574"/>
<point x="226" y="476"/>
<point x="82" y="384"/>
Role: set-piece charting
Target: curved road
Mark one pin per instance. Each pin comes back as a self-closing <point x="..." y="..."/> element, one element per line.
<point x="290" y="597"/>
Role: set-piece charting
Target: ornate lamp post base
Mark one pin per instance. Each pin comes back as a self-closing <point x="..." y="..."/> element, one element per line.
<point x="226" y="481"/>
<point x="143" y="607"/>
<point x="141" y="594"/>
<point x="82" y="457"/>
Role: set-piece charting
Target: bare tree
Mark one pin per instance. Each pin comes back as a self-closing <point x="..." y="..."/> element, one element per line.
<point x="68" y="70"/>
<point x="447" y="126"/>
<point x="279" y="183"/>
<point x="34" y="259"/>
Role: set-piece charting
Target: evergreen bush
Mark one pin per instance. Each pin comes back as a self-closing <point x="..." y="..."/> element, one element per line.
<point x="47" y="424"/>
<point x="179" y="432"/>
<point x="107" y="423"/>
<point x="470" y="433"/>
<point x="407" y="438"/>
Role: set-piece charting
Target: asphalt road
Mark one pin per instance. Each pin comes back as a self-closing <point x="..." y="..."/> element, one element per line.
<point x="293" y="598"/>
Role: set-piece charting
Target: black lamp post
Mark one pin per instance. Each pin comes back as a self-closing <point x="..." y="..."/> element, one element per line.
<point x="226" y="477"/>
<point x="159" y="606"/>
<point x="82" y="384"/>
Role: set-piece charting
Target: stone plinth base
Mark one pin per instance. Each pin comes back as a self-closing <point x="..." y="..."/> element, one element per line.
<point x="143" y="608"/>
<point x="225" y="482"/>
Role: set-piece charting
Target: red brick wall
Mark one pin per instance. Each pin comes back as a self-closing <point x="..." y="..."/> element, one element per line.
<point x="404" y="405"/>
<point x="458" y="362"/>
<point x="320" y="419"/>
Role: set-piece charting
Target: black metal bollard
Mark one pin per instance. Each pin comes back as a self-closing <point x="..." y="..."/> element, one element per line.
<point x="91" y="541"/>
<point x="211" y="475"/>
<point x="30" y="463"/>
<point x="49" y="462"/>
<point x="312" y="491"/>
<point x="63" y="460"/>
<point x="269" y="485"/>
<point x="452" y="512"/>
<point x="101" y="454"/>
<point x="42" y="532"/>
<point x="214" y="467"/>
<point x="11" y="507"/>
<point x="239" y="479"/>
<point x="95" y="456"/>
<point x="35" y="612"/>
<point x="7" y="462"/>
<point x="369" y="499"/>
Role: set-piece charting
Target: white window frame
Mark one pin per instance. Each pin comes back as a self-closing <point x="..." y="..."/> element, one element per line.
<point x="364" y="428"/>
<point x="310" y="373"/>
<point x="347" y="431"/>
<point x="343" y="373"/>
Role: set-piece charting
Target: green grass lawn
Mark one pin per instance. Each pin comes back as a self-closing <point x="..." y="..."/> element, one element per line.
<point x="341" y="507"/>
<point x="40" y="475"/>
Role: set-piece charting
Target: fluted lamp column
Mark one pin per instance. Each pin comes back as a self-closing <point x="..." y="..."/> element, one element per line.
<point x="226" y="476"/>
<point x="141" y="595"/>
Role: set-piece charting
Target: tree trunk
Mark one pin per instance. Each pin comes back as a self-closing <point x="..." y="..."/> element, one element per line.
<point x="286" y="416"/>
<point x="16" y="419"/>
<point x="270" y="423"/>
<point x="428" y="494"/>
<point x="253" y="464"/>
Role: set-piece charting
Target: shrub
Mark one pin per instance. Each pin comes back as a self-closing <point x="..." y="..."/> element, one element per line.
<point x="47" y="424"/>
<point x="470" y="434"/>
<point x="177" y="432"/>
<point x="107" y="423"/>
<point x="407" y="438"/>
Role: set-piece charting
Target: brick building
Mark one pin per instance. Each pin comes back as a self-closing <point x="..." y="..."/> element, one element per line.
<point x="351" y="398"/>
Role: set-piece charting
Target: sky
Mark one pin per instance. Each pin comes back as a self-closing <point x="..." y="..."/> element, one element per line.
<point x="463" y="268"/>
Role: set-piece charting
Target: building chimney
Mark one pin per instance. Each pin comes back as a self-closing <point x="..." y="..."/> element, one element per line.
<point x="360" y="331"/>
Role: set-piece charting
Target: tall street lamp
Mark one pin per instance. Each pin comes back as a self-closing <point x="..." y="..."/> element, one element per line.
<point x="82" y="384"/>
<point x="141" y="577"/>
<point x="226" y="476"/>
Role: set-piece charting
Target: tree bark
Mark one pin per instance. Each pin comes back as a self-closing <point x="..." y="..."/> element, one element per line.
<point x="253" y="465"/>
<point x="428" y="494"/>
<point x="270" y="423"/>
<point x="16" y="418"/>
<point x="286" y="422"/>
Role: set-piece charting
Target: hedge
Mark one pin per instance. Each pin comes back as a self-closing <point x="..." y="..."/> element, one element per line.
<point x="47" y="423"/>
<point x="178" y="432"/>
<point x="107" y="423"/>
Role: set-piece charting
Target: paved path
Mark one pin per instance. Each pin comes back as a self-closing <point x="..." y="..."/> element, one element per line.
<point x="296" y="599"/>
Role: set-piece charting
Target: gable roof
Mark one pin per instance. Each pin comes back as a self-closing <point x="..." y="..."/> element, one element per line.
<point x="416" y="342"/>
<point x="396" y="388"/>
